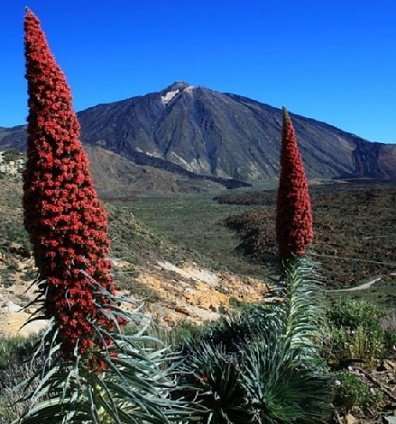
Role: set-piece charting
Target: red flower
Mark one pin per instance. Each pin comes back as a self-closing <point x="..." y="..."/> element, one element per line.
<point x="65" y="220"/>
<point x="294" y="231"/>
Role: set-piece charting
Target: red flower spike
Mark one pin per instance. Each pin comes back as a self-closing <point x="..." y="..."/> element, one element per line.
<point x="294" y="230"/>
<point x="65" y="220"/>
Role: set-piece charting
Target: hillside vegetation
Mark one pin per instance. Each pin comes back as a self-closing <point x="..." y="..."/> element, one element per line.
<point x="355" y="229"/>
<point x="176" y="229"/>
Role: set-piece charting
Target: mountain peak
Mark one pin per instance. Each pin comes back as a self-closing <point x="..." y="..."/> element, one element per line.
<point x="177" y="85"/>
<point x="175" y="89"/>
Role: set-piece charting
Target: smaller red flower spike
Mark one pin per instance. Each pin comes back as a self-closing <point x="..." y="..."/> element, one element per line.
<point x="66" y="222"/>
<point x="294" y="230"/>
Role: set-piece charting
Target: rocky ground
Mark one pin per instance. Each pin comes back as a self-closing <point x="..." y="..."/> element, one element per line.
<point x="178" y="293"/>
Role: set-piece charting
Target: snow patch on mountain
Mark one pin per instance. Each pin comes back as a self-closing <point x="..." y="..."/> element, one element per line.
<point x="169" y="96"/>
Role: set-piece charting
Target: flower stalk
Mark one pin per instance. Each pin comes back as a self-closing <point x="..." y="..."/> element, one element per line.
<point x="294" y="224"/>
<point x="66" y="222"/>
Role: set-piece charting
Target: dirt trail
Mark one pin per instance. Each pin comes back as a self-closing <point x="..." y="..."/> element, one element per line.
<point x="365" y="285"/>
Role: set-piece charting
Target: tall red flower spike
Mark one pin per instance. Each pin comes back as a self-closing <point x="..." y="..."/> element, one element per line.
<point x="294" y="231"/>
<point x="63" y="215"/>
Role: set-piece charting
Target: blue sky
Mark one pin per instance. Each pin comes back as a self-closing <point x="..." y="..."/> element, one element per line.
<point x="334" y="61"/>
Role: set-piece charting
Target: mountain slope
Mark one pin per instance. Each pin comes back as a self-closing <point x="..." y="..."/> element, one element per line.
<point x="200" y="133"/>
<point x="226" y="135"/>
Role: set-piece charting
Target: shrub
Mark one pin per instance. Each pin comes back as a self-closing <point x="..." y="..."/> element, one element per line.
<point x="354" y="333"/>
<point x="260" y="366"/>
<point x="352" y="313"/>
<point x="388" y="324"/>
<point x="282" y="389"/>
<point x="14" y="349"/>
<point x="231" y="332"/>
<point x="14" y="352"/>
<point x="209" y="379"/>
<point x="12" y="155"/>
<point x="351" y="391"/>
